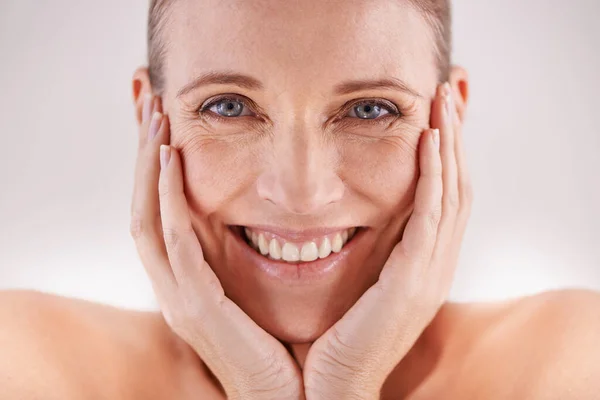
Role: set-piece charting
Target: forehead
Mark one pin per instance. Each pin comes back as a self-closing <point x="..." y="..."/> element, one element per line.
<point x="303" y="43"/>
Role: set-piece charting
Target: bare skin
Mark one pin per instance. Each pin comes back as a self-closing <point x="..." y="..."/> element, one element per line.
<point x="301" y="161"/>
<point x="539" y="347"/>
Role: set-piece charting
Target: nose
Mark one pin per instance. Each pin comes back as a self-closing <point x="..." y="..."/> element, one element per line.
<point x="302" y="177"/>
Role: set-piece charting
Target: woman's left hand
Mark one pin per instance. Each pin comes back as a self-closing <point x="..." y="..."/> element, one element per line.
<point x="354" y="357"/>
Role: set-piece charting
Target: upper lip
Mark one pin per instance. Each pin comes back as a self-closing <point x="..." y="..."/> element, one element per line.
<point x="295" y="235"/>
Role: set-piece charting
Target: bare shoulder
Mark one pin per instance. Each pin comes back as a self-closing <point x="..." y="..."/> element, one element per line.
<point x="61" y="348"/>
<point x="544" y="346"/>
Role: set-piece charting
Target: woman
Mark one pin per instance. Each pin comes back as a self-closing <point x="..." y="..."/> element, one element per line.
<point x="301" y="195"/>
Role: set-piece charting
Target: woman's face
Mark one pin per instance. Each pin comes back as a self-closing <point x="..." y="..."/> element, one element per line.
<point x="298" y="121"/>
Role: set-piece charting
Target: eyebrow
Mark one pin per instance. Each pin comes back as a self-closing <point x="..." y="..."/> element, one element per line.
<point x="251" y="83"/>
<point x="386" y="83"/>
<point x="221" y="78"/>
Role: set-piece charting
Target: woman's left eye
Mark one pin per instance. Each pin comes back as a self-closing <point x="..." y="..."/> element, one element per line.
<point x="370" y="110"/>
<point x="228" y="107"/>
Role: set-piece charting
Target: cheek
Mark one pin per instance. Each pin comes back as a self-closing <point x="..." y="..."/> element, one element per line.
<point x="384" y="170"/>
<point x="215" y="171"/>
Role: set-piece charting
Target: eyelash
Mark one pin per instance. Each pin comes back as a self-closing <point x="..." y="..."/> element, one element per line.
<point x="392" y="109"/>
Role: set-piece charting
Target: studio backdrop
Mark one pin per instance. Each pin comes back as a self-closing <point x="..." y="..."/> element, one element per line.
<point x="532" y="140"/>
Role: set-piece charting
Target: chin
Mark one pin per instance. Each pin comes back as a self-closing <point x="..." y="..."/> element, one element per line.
<point x="294" y="329"/>
<point x="296" y="302"/>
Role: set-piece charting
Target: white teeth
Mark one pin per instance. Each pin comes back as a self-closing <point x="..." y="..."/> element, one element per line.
<point x="254" y="239"/>
<point x="290" y="252"/>
<point x="351" y="232"/>
<point x="309" y="252"/>
<point x="263" y="246"/>
<point x="274" y="249"/>
<point x="337" y="243"/>
<point x="325" y="248"/>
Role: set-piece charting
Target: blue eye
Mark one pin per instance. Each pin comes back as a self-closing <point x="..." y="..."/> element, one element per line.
<point x="370" y="110"/>
<point x="228" y="107"/>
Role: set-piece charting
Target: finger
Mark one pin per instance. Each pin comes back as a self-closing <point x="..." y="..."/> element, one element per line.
<point x="412" y="255"/>
<point x="464" y="188"/>
<point x="218" y="319"/>
<point x="157" y="106"/>
<point x="145" y="163"/>
<point x="147" y="107"/>
<point x="442" y="113"/>
<point x="145" y="217"/>
<point x="152" y="104"/>
<point x="403" y="275"/>
<point x="183" y="248"/>
<point x="421" y="229"/>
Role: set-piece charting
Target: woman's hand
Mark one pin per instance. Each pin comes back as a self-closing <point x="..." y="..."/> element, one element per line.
<point x="247" y="361"/>
<point x="354" y="357"/>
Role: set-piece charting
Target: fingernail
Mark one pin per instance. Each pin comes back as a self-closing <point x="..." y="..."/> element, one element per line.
<point x="435" y="137"/>
<point x="447" y="87"/>
<point x="147" y="107"/>
<point x="154" y="125"/>
<point x="165" y="155"/>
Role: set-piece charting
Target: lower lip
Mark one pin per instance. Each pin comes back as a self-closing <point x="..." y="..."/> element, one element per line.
<point x="300" y="273"/>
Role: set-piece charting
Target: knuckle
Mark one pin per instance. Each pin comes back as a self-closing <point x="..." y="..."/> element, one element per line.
<point x="142" y="226"/>
<point x="338" y="340"/>
<point x="342" y="353"/>
<point x="171" y="238"/>
<point x="164" y="189"/>
<point x="466" y="192"/>
<point x="433" y="218"/>
<point x="136" y="227"/>
<point x="272" y="377"/>
<point x="174" y="236"/>
<point x="453" y="201"/>
<point x="430" y="217"/>
<point x="268" y="368"/>
<point x="436" y="171"/>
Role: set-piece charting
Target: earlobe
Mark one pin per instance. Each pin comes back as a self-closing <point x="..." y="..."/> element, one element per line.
<point x="140" y="87"/>
<point x="459" y="80"/>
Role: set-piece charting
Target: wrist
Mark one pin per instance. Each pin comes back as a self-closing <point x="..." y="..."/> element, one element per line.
<point x="326" y="388"/>
<point x="359" y="394"/>
<point x="251" y="389"/>
<point x="290" y="392"/>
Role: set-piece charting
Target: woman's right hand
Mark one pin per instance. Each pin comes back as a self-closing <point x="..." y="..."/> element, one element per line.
<point x="248" y="362"/>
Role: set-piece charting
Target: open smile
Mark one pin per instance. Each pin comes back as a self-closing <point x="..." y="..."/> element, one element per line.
<point x="296" y="258"/>
<point x="276" y="247"/>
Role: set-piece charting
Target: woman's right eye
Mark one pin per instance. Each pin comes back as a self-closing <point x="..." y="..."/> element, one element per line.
<point x="228" y="108"/>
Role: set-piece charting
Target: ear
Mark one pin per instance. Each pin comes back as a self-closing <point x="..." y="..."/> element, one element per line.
<point x="459" y="81"/>
<point x="141" y="86"/>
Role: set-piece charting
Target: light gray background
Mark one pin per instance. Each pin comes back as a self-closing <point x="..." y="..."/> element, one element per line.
<point x="69" y="143"/>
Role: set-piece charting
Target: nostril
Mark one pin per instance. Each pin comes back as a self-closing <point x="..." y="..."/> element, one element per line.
<point x="301" y="193"/>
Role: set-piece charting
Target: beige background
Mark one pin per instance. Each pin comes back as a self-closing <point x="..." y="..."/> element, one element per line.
<point x="68" y="136"/>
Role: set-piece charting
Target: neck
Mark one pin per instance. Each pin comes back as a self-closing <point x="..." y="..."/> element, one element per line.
<point x="299" y="352"/>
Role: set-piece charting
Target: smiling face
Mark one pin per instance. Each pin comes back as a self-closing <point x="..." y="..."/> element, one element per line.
<point x="298" y="121"/>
